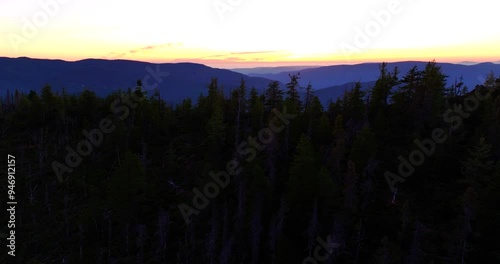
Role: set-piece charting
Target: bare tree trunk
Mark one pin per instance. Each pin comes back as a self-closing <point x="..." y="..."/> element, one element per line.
<point x="141" y="236"/>
<point x="227" y="239"/>
<point x="80" y="235"/>
<point x="415" y="246"/>
<point x="359" y="240"/>
<point x="276" y="228"/>
<point x="237" y="134"/>
<point x="312" y="230"/>
<point x="127" y="239"/>
<point x="256" y="229"/>
<point x="66" y="213"/>
<point x="212" y="236"/>
<point x="162" y="234"/>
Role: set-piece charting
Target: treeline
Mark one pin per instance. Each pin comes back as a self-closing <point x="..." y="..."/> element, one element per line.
<point x="132" y="198"/>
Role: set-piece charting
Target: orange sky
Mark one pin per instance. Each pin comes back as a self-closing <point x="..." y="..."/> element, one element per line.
<point x="249" y="33"/>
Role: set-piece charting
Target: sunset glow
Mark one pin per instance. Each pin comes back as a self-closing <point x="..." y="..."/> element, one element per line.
<point x="248" y="33"/>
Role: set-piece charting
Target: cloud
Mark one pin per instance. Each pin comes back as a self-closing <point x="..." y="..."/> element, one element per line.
<point x="255" y="52"/>
<point x="234" y="59"/>
<point x="114" y="55"/>
<point x="231" y="55"/>
<point x="214" y="56"/>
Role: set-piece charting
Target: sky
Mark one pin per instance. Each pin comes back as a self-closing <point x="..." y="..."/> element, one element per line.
<point x="252" y="33"/>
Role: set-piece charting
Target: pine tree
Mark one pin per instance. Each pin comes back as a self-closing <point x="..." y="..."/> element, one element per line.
<point x="216" y="135"/>
<point x="128" y="187"/>
<point x="256" y="109"/>
<point x="293" y="97"/>
<point x="215" y="96"/>
<point x="490" y="82"/>
<point x="457" y="88"/>
<point x="309" y="93"/>
<point x="274" y="96"/>
<point x="404" y="96"/>
<point x="363" y="148"/>
<point x="381" y="92"/>
<point x="322" y="131"/>
<point x="355" y="106"/>
<point x="433" y="82"/>
<point x="339" y="146"/>
<point x="479" y="167"/>
<point x="307" y="182"/>
<point x="241" y="109"/>
<point x="300" y="184"/>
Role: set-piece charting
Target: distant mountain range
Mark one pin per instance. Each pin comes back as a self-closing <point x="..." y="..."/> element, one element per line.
<point x="327" y="76"/>
<point x="191" y="79"/>
<point x="271" y="70"/>
<point x="104" y="76"/>
<point x="333" y="92"/>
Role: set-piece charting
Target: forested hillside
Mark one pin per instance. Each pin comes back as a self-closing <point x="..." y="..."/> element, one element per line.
<point x="407" y="172"/>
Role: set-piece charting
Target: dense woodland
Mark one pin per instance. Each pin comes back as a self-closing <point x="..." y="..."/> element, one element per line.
<point x="324" y="175"/>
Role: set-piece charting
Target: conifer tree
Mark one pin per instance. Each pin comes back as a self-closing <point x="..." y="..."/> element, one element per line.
<point x="363" y="148"/>
<point x="404" y="96"/>
<point x="381" y="92"/>
<point x="479" y="167"/>
<point x="355" y="106"/>
<point x="293" y="97"/>
<point x="274" y="96"/>
<point x="256" y="109"/>
<point x="433" y="82"/>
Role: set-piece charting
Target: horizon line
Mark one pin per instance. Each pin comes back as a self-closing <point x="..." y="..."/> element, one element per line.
<point x="324" y="64"/>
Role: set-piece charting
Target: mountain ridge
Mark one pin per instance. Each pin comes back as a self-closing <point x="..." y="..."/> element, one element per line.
<point x="184" y="79"/>
<point x="189" y="79"/>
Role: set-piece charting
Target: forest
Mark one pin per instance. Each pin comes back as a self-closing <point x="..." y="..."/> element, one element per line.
<point x="405" y="172"/>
